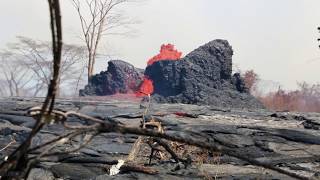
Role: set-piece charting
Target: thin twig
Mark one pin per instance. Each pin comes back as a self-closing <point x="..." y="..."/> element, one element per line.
<point x="8" y="145"/>
<point x="17" y="161"/>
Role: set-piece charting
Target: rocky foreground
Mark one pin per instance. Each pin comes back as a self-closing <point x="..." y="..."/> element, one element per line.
<point x="287" y="140"/>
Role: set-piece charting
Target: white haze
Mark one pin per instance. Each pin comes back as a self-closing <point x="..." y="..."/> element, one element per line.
<point x="276" y="38"/>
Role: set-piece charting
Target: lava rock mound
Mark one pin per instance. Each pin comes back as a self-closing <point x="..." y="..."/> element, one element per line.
<point x="120" y="77"/>
<point x="204" y="76"/>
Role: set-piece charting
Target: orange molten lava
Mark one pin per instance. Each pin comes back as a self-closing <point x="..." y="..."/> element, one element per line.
<point x="167" y="52"/>
<point x="146" y="87"/>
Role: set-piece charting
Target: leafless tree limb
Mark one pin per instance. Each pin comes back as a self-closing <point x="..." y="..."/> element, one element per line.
<point x="16" y="76"/>
<point x="97" y="17"/>
<point x="17" y="161"/>
<point x="32" y="66"/>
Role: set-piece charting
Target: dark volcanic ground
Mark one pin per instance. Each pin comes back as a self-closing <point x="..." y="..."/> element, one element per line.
<point x="287" y="140"/>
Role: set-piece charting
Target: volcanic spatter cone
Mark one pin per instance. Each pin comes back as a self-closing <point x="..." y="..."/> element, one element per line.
<point x="120" y="77"/>
<point x="204" y="76"/>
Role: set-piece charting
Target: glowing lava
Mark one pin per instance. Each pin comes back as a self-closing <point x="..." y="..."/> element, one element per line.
<point x="146" y="87"/>
<point x="167" y="52"/>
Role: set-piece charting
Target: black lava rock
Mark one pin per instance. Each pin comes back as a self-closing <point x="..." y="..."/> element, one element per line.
<point x="204" y="76"/>
<point x="120" y="77"/>
<point x="239" y="83"/>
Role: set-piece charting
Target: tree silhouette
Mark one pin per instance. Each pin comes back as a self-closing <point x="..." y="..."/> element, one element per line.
<point x="99" y="18"/>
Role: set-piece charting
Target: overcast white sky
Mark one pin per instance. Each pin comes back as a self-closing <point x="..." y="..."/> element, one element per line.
<point x="276" y="38"/>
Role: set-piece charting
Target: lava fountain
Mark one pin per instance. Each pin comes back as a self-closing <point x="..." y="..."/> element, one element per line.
<point x="167" y="52"/>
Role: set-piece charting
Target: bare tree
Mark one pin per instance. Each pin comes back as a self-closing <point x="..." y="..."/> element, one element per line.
<point x="36" y="60"/>
<point x="251" y="78"/>
<point x="2" y="88"/>
<point x="99" y="18"/>
<point x="16" y="76"/>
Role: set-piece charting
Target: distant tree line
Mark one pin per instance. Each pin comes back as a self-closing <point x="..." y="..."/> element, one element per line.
<point x="26" y="68"/>
<point x="305" y="99"/>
